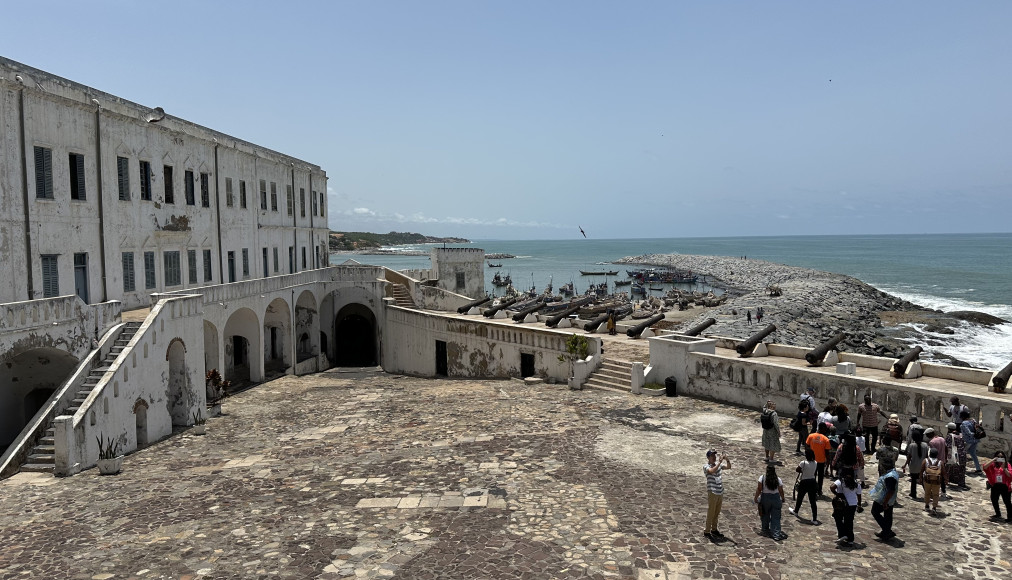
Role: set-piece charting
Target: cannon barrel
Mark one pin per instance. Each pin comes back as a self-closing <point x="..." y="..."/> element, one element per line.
<point x="590" y="326"/>
<point x="747" y="346"/>
<point x="555" y="320"/>
<point x="699" y="328"/>
<point x="639" y="328"/>
<point x="463" y="309"/>
<point x="502" y="306"/>
<point x="900" y="366"/>
<point x="818" y="353"/>
<point x="520" y="316"/>
<point x="1001" y="379"/>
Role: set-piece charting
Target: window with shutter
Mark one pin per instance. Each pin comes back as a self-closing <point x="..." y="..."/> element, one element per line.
<point x="77" y="190"/>
<point x="145" y="172"/>
<point x="205" y="193"/>
<point x="242" y="194"/>
<point x="313" y="195"/>
<point x="170" y="192"/>
<point x="274" y="196"/>
<point x="123" y="177"/>
<point x="43" y="173"/>
<point x="302" y="202"/>
<point x="188" y="186"/>
<point x="229" y="197"/>
<point x="245" y="262"/>
<point x="191" y="263"/>
<point x="207" y="266"/>
<point x="173" y="276"/>
<point x="263" y="194"/>
<point x="129" y="281"/>
<point x="50" y="276"/>
<point x="289" y="199"/>
<point x="149" y="270"/>
<point x="321" y="204"/>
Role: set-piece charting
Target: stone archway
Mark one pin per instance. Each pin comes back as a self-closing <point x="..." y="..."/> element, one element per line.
<point x="141" y="422"/>
<point x="307" y="327"/>
<point x="178" y="399"/>
<point x="355" y="340"/>
<point x="242" y="348"/>
<point x="27" y="381"/>
<point x="277" y="337"/>
<point x="211" y="356"/>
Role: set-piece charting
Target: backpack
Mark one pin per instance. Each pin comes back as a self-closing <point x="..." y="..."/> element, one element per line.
<point x="877" y="493"/>
<point x="978" y="431"/>
<point x="895" y="432"/>
<point x="932" y="472"/>
<point x="766" y="419"/>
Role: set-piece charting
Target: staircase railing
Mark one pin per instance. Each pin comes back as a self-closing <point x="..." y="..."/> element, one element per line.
<point x="59" y="402"/>
<point x="76" y="435"/>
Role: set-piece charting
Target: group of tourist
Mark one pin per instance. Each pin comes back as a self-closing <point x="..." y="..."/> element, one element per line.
<point x="831" y="442"/>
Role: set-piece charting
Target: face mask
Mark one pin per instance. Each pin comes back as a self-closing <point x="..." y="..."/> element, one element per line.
<point x="999" y="460"/>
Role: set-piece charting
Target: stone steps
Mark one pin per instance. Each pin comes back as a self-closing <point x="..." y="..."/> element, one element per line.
<point x="43" y="455"/>
<point x="402" y="297"/>
<point x="613" y="375"/>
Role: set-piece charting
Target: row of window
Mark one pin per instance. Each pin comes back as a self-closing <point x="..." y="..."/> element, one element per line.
<point x="172" y="269"/>
<point x="44" y="185"/>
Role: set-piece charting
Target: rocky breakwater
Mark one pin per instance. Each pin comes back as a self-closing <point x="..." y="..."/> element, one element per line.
<point x="810" y="306"/>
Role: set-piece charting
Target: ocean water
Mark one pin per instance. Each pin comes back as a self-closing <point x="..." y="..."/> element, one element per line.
<point x="942" y="271"/>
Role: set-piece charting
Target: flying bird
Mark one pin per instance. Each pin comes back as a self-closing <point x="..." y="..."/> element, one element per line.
<point x="581" y="231"/>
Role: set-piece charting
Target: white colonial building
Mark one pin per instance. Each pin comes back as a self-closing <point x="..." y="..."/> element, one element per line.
<point x="111" y="200"/>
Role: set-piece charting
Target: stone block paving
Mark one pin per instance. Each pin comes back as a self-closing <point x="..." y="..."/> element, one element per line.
<point x="370" y="475"/>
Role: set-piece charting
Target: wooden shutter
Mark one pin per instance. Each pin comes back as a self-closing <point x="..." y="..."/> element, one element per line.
<point x="50" y="277"/>
<point x="123" y="177"/>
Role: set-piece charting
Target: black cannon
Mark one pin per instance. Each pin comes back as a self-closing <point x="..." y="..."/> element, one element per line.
<point x="598" y="321"/>
<point x="900" y="366"/>
<point x="746" y="348"/>
<point x="1001" y="379"/>
<point x="520" y="316"/>
<point x="817" y="354"/>
<point x="699" y="328"/>
<point x="639" y="328"/>
<point x="502" y="306"/>
<point x="555" y="320"/>
<point x="465" y="308"/>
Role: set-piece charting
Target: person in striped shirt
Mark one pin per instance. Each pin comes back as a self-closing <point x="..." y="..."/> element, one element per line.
<point x="715" y="491"/>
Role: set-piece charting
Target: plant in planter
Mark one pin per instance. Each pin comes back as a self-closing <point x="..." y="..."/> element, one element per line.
<point x="199" y="423"/>
<point x="577" y="346"/>
<point x="216" y="390"/>
<point x="109" y="459"/>
<point x="654" y="389"/>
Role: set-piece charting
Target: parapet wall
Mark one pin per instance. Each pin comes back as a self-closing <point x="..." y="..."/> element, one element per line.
<point x="474" y="348"/>
<point x="750" y="382"/>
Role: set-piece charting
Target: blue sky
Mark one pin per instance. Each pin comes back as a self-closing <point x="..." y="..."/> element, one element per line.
<point x="523" y="120"/>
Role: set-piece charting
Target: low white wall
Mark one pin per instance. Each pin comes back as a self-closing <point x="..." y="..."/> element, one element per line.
<point x="109" y="411"/>
<point x="669" y="356"/>
<point x="64" y="322"/>
<point x="475" y="348"/>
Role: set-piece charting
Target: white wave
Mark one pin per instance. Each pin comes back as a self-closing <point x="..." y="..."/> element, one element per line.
<point x="946" y="304"/>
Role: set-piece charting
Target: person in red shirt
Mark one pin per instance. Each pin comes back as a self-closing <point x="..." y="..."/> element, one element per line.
<point x="820" y="445"/>
<point x="1000" y="478"/>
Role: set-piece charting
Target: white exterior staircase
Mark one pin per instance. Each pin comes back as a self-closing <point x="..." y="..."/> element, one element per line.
<point x="402" y="297"/>
<point x="612" y="375"/>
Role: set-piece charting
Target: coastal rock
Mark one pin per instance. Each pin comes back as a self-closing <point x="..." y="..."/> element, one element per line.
<point x="977" y="317"/>
<point x="813" y="306"/>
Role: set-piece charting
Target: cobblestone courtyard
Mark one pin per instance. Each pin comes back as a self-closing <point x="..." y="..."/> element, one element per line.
<point x="370" y="475"/>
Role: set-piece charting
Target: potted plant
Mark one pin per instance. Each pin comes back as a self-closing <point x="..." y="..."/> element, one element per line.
<point x="653" y="389"/>
<point x="109" y="459"/>
<point x="577" y="346"/>
<point x="199" y="423"/>
<point x="216" y="389"/>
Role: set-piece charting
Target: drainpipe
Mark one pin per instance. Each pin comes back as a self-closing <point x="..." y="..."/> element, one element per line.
<point x="293" y="347"/>
<point x="295" y="226"/>
<point x="24" y="191"/>
<point x="101" y="198"/>
<point x="217" y="211"/>
<point x="312" y="227"/>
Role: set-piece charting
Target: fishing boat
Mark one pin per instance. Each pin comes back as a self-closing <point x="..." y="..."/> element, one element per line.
<point x="656" y="288"/>
<point x="638" y="289"/>
<point x="623" y="282"/>
<point x="500" y="281"/>
<point x="491" y="265"/>
<point x="600" y="273"/>
<point x="566" y="289"/>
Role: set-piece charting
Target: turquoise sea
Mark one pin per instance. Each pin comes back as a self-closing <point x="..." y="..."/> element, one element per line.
<point x="942" y="271"/>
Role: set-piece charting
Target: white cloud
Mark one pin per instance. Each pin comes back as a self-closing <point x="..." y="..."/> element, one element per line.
<point x="363" y="211"/>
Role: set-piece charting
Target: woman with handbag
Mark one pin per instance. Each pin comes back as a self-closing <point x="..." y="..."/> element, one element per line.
<point x="846" y="499"/>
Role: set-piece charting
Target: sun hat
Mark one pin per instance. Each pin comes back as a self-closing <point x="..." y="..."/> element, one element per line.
<point x="894" y="417"/>
<point x="929" y="431"/>
<point x="951" y="426"/>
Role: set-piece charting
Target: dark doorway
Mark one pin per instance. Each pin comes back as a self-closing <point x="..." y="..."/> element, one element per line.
<point x="323" y="344"/>
<point x="355" y="337"/>
<point x="441" y="367"/>
<point x="35" y="400"/>
<point x="239" y="347"/>
<point x="526" y="365"/>
<point x="274" y="342"/>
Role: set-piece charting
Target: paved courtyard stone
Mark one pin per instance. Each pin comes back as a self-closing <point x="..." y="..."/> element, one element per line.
<point x="371" y="475"/>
